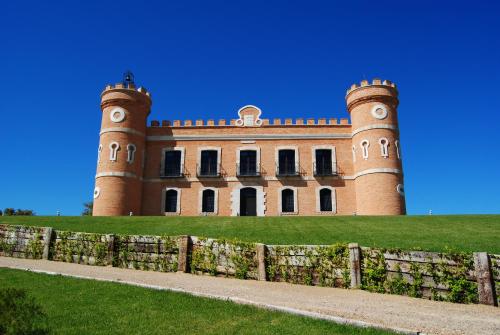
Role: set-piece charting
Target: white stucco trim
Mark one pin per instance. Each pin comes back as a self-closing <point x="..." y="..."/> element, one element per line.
<point x="99" y="152"/>
<point x="376" y="170"/>
<point x="318" y="200"/>
<point x="374" y="126"/>
<point x="327" y="147"/>
<point x="260" y="201"/>
<point x="248" y="147"/>
<point x="257" y="122"/>
<point x="131" y="150"/>
<point x="163" y="152"/>
<point x="277" y="156"/>
<point x="117" y="115"/>
<point x="295" y="199"/>
<point x="384" y="147"/>
<point x="354" y="154"/>
<point x="198" y="158"/>
<point x="121" y="130"/>
<point x="216" y="201"/>
<point x="246" y="137"/>
<point x="115" y="174"/>
<point x="163" y="198"/>
<point x="398" y="153"/>
<point x="379" y="112"/>
<point x="365" y="144"/>
<point x="113" y="151"/>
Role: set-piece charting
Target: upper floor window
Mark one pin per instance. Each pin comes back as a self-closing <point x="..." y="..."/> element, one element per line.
<point x="208" y="201"/>
<point x="323" y="162"/>
<point x="287" y="163"/>
<point x="113" y="151"/>
<point x="131" y="149"/>
<point x="384" y="144"/>
<point x="364" y="147"/>
<point x="248" y="163"/>
<point x="172" y="166"/>
<point x="209" y="163"/>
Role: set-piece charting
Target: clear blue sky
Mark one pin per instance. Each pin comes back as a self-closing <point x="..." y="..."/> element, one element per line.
<point x="292" y="58"/>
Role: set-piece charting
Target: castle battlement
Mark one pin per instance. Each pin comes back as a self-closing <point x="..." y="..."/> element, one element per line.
<point x="375" y="82"/>
<point x="128" y="86"/>
<point x="265" y="122"/>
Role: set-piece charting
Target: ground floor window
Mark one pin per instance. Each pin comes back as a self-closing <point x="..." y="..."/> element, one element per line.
<point x="171" y="201"/>
<point x="325" y="200"/>
<point x="287" y="201"/>
<point x="208" y="201"/>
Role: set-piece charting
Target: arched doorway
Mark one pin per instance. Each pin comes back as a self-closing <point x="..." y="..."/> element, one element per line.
<point x="248" y="201"/>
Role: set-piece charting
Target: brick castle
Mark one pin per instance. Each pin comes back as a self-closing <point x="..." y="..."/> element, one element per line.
<point x="250" y="166"/>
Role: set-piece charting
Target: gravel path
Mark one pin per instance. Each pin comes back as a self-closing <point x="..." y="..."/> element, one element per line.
<point x="409" y="315"/>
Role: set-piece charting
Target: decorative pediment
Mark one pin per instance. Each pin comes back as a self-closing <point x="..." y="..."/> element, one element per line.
<point x="249" y="116"/>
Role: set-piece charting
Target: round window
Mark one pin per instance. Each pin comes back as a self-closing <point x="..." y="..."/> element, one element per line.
<point x="401" y="189"/>
<point x="379" y="112"/>
<point x="117" y="114"/>
<point x="97" y="191"/>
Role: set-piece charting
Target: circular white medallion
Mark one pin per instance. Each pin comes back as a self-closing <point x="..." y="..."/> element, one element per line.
<point x="117" y="114"/>
<point x="379" y="112"/>
<point x="97" y="191"/>
<point x="401" y="189"/>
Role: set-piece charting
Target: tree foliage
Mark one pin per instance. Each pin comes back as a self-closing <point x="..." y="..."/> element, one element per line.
<point x="88" y="208"/>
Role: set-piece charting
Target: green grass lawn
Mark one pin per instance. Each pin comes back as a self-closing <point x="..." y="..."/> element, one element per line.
<point x="433" y="233"/>
<point x="78" y="306"/>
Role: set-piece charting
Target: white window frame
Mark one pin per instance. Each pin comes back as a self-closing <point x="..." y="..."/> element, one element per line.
<point x="327" y="147"/>
<point x="249" y="148"/>
<point x="131" y="150"/>
<point x="295" y="200"/>
<point x="216" y="201"/>
<point x="384" y="147"/>
<point x="318" y="200"/>
<point x="99" y="152"/>
<point x="163" y="198"/>
<point x="219" y="158"/>
<point x="163" y="153"/>
<point x="398" y="153"/>
<point x="277" y="156"/>
<point x="113" y="151"/>
<point x="365" y="144"/>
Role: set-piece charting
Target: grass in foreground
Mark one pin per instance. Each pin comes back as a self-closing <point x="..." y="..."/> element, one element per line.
<point x="77" y="306"/>
<point x="433" y="233"/>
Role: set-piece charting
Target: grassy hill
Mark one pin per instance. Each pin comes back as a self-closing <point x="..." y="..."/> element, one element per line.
<point x="432" y="233"/>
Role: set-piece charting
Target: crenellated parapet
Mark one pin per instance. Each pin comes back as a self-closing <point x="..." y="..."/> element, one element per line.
<point x="265" y="122"/>
<point x="377" y="90"/>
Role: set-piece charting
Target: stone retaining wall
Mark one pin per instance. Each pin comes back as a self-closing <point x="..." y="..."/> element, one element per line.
<point x="455" y="277"/>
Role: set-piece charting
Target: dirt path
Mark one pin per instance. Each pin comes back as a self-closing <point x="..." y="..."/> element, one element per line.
<point x="409" y="315"/>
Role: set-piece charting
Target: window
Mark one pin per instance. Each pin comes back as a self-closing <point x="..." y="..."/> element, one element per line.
<point x="99" y="151"/>
<point x="286" y="162"/>
<point x="248" y="163"/>
<point x="113" y="150"/>
<point x="209" y="163"/>
<point x="172" y="163"/>
<point x="130" y="153"/>
<point x="396" y="143"/>
<point x="171" y="201"/>
<point x="287" y="201"/>
<point x="354" y="153"/>
<point x="208" y="201"/>
<point x="364" y="147"/>
<point x="323" y="162"/>
<point x="325" y="200"/>
<point x="384" y="143"/>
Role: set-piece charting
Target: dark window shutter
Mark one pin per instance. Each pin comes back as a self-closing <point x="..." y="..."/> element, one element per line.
<point x="325" y="200"/>
<point x="286" y="162"/>
<point x="209" y="163"/>
<point x="324" y="161"/>
<point x="248" y="162"/>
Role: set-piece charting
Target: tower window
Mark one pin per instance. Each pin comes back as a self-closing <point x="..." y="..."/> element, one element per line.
<point x="172" y="163"/>
<point x="323" y="163"/>
<point x="354" y="153"/>
<point x="209" y="165"/>
<point x="286" y="162"/>
<point x="208" y="201"/>
<point x="248" y="163"/>
<point x="171" y="201"/>
<point x="384" y="144"/>
<point x="131" y="149"/>
<point x="99" y="151"/>
<point x="287" y="201"/>
<point x="364" y="147"/>
<point x="113" y="151"/>
<point x="396" y="143"/>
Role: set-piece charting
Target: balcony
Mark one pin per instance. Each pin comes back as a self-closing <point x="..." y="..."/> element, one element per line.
<point x="203" y="171"/>
<point x="321" y="170"/>
<point x="287" y="171"/>
<point x="243" y="170"/>
<point x="172" y="173"/>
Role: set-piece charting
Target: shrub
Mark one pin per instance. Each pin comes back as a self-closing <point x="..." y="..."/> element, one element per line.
<point x="20" y="314"/>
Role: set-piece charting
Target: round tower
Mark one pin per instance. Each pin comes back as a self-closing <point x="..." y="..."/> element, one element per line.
<point x="118" y="182"/>
<point x="376" y="148"/>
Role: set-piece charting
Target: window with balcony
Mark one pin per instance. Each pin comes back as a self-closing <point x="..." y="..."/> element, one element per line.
<point x="173" y="163"/>
<point x="209" y="164"/>
<point x="287" y="163"/>
<point x="323" y="163"/>
<point x="248" y="163"/>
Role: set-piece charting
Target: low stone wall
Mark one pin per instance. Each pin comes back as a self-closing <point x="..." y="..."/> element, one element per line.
<point x="22" y="241"/>
<point x="454" y="277"/>
<point x="309" y="264"/>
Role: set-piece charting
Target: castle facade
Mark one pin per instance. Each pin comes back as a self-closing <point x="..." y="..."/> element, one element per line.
<point x="250" y="166"/>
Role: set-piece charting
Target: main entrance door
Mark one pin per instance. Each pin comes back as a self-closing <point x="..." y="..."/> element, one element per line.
<point x="248" y="201"/>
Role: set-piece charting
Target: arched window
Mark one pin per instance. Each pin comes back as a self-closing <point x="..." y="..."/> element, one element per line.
<point x="325" y="200"/>
<point x="287" y="201"/>
<point x="113" y="151"/>
<point x="384" y="144"/>
<point x="396" y="143"/>
<point x="364" y="146"/>
<point x="208" y="201"/>
<point x="171" y="201"/>
<point x="130" y="153"/>
<point x="99" y="151"/>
